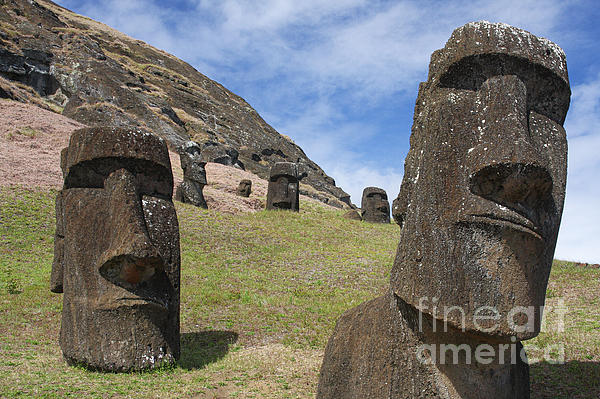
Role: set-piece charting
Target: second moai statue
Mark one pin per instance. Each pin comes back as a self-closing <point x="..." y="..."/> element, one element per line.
<point x="116" y="257"/>
<point x="479" y="207"/>
<point x="283" y="190"/>
<point x="244" y="189"/>
<point x="375" y="206"/>
<point x="194" y="176"/>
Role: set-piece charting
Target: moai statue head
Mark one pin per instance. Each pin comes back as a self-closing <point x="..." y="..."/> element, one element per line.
<point x="375" y="206"/>
<point x="244" y="188"/>
<point x="484" y="181"/>
<point x="116" y="257"/>
<point x="283" y="190"/>
<point x="194" y="175"/>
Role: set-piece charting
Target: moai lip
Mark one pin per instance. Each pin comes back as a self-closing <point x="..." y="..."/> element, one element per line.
<point x="283" y="190"/>
<point x="116" y="257"/>
<point x="375" y="206"/>
<point x="479" y="210"/>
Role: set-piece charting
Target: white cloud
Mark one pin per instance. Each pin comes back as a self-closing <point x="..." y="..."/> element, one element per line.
<point x="311" y="68"/>
<point x="580" y="229"/>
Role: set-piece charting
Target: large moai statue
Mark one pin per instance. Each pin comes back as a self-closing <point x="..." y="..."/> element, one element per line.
<point x="116" y="257"/>
<point x="283" y="190"/>
<point x="479" y="207"/>
<point x="375" y="206"/>
<point x="194" y="176"/>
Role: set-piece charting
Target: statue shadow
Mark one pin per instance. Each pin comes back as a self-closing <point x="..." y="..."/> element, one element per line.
<point x="199" y="349"/>
<point x="570" y="380"/>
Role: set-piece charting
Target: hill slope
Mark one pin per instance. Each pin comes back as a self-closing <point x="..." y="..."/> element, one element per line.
<point x="96" y="75"/>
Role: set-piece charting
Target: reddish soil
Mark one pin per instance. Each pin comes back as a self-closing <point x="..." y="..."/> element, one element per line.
<point x="31" y="139"/>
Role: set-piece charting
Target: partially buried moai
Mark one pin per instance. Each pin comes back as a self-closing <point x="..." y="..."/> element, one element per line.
<point x="375" y="206"/>
<point x="116" y="257"/>
<point x="194" y="176"/>
<point x="479" y="207"/>
<point x="244" y="189"/>
<point x="282" y="192"/>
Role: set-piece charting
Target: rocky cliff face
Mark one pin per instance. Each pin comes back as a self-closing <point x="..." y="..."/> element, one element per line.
<point x="94" y="74"/>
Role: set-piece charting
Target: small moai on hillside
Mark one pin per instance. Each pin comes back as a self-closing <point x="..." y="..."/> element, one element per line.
<point x="479" y="208"/>
<point x="244" y="189"/>
<point x="116" y="256"/>
<point x="194" y="176"/>
<point x="283" y="190"/>
<point x="375" y="206"/>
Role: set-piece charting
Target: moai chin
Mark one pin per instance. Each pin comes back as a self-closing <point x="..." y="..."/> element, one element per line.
<point x="479" y="208"/>
<point x="194" y="176"/>
<point x="282" y="192"/>
<point x="244" y="188"/>
<point x="375" y="206"/>
<point x="116" y="257"/>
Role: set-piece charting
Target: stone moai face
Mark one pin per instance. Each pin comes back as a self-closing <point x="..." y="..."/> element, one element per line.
<point x="244" y="188"/>
<point x="283" y="190"/>
<point x="194" y="175"/>
<point x="484" y="183"/>
<point x="375" y="206"/>
<point x="116" y="257"/>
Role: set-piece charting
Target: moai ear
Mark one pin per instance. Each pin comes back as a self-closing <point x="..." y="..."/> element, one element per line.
<point x="56" y="277"/>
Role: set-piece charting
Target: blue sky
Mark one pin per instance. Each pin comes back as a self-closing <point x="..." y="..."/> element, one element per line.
<point x="341" y="77"/>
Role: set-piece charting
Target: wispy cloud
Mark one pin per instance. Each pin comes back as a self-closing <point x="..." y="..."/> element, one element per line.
<point x="340" y="77"/>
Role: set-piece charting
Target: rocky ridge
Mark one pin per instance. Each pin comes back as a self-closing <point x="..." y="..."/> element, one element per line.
<point x="87" y="71"/>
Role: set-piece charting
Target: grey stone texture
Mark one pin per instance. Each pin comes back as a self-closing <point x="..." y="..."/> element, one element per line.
<point x="479" y="209"/>
<point x="375" y="206"/>
<point x="116" y="257"/>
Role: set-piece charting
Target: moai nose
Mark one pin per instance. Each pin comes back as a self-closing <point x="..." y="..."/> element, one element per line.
<point x="506" y="164"/>
<point x="131" y="258"/>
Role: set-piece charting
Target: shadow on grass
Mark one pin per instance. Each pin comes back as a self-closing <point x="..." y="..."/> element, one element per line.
<point x="199" y="349"/>
<point x="571" y="380"/>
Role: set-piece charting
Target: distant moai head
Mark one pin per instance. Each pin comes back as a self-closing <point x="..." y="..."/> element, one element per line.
<point x="375" y="206"/>
<point x="283" y="187"/>
<point x="194" y="175"/>
<point x="116" y="257"/>
<point x="484" y="181"/>
<point x="192" y="163"/>
<point x="244" y="188"/>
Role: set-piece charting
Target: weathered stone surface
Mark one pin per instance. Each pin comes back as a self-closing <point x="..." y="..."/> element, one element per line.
<point x="378" y="350"/>
<point x="283" y="192"/>
<point x="117" y="251"/>
<point x="479" y="207"/>
<point x="244" y="189"/>
<point x="353" y="214"/>
<point x="102" y="77"/>
<point x="194" y="176"/>
<point x="375" y="206"/>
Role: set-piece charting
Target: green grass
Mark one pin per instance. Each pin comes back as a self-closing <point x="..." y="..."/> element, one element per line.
<point x="260" y="296"/>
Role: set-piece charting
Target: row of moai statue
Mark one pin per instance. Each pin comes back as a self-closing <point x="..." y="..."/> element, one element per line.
<point x="479" y="208"/>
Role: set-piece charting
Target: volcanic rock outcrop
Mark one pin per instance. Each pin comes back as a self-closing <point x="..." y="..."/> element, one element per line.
<point x="480" y="206"/>
<point x="116" y="257"/>
<point x="98" y="76"/>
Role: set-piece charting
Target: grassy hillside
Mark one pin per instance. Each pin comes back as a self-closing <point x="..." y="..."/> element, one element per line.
<point x="260" y="296"/>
